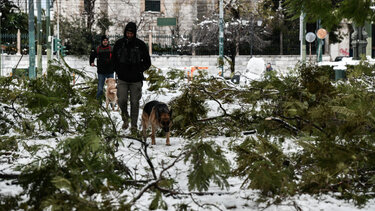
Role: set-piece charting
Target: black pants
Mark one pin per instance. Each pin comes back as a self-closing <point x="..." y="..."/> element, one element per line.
<point x="124" y="89"/>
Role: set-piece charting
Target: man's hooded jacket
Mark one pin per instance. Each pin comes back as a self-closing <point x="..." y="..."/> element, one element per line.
<point x="130" y="56"/>
<point x="103" y="55"/>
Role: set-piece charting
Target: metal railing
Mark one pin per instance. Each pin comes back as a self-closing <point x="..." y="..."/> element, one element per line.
<point x="9" y="43"/>
<point x="161" y="44"/>
<point x="169" y="45"/>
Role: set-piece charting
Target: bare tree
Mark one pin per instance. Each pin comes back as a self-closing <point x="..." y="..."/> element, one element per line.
<point x="239" y="29"/>
<point x="90" y="13"/>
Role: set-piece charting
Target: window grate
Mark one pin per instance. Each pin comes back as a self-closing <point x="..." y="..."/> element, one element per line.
<point x="152" y="5"/>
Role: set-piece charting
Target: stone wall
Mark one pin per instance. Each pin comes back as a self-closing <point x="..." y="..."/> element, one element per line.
<point x="121" y="12"/>
<point x="279" y="63"/>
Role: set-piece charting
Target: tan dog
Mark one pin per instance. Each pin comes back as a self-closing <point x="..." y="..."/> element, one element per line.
<point x="111" y="93"/>
<point x="159" y="116"/>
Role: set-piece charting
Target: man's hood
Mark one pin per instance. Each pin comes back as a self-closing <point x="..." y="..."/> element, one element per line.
<point x="132" y="27"/>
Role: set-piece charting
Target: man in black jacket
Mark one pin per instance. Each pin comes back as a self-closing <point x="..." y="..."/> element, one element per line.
<point x="130" y="59"/>
<point x="103" y="54"/>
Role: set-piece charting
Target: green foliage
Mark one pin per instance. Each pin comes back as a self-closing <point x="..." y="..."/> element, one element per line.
<point x="331" y="12"/>
<point x="8" y="202"/>
<point x="78" y="168"/>
<point x="332" y="122"/>
<point x="265" y="167"/>
<point x="158" y="82"/>
<point x="181" y="207"/>
<point x="6" y="124"/>
<point x="78" y="37"/>
<point x="7" y="98"/>
<point x="12" y="18"/>
<point x="187" y="109"/>
<point x="104" y="22"/>
<point x="8" y="144"/>
<point x="158" y="202"/>
<point x="208" y="165"/>
<point x="317" y="79"/>
<point x="155" y="78"/>
<point x="53" y="110"/>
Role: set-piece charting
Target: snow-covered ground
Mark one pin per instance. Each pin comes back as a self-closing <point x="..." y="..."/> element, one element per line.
<point x="234" y="198"/>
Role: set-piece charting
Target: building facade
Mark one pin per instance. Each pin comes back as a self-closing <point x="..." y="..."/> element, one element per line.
<point x="344" y="48"/>
<point x="145" y="13"/>
<point x="184" y="13"/>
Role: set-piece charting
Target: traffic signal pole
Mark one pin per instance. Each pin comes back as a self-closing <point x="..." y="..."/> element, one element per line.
<point x="221" y="37"/>
<point x="302" y="31"/>
<point x="39" y="38"/>
<point x="32" y="74"/>
<point x="48" y="32"/>
<point x="1" y="49"/>
<point x="58" y="26"/>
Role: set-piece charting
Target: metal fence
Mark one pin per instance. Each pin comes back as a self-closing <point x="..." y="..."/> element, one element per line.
<point x="9" y="43"/>
<point x="168" y="45"/>
<point x="161" y="44"/>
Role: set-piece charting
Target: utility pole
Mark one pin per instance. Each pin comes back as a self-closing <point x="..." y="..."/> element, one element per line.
<point x="32" y="74"/>
<point x="39" y="38"/>
<point x="251" y="36"/>
<point x="319" y="52"/>
<point x="221" y="37"/>
<point x="48" y="32"/>
<point x="302" y="32"/>
<point x="18" y="42"/>
<point x="281" y="19"/>
<point x="58" y="27"/>
<point x="1" y="48"/>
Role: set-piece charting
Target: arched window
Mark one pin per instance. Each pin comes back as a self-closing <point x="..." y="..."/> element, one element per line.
<point x="152" y="5"/>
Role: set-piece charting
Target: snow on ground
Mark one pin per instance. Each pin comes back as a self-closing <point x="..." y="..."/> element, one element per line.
<point x="235" y="198"/>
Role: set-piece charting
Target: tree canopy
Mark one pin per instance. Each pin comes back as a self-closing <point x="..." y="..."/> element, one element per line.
<point x="12" y="18"/>
<point x="332" y="12"/>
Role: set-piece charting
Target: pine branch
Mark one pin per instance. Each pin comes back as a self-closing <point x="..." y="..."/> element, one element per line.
<point x="174" y="192"/>
<point x="156" y="181"/>
<point x="142" y="191"/>
<point x="298" y="208"/>
<point x="276" y="202"/>
<point x="308" y="122"/>
<point x="145" y="154"/>
<point x="285" y="124"/>
<point x="133" y="138"/>
<point x="13" y="108"/>
<point x="205" y="204"/>
<point x="210" y="118"/>
<point x="9" y="176"/>
<point x="220" y="105"/>
<point x="110" y="119"/>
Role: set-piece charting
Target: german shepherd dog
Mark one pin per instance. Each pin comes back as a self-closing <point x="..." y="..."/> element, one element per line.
<point x="159" y="116"/>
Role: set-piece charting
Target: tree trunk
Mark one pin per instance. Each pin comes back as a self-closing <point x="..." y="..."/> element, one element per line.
<point x="237" y="45"/>
<point x="281" y="42"/>
<point x="232" y="65"/>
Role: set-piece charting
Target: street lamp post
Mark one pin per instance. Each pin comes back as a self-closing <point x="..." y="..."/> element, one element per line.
<point x="251" y="39"/>
<point x="259" y="23"/>
<point x="221" y="37"/>
<point x="1" y="50"/>
<point x="32" y="74"/>
<point x="302" y="30"/>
